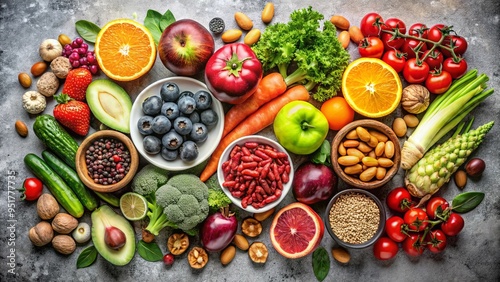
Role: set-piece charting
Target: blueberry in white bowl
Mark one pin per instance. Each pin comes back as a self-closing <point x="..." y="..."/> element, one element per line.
<point x="188" y="151"/>
<point x="170" y="110"/>
<point x="183" y="125"/>
<point x="194" y="117"/>
<point x="169" y="155"/>
<point x="186" y="104"/>
<point x="152" y="105"/>
<point x="172" y="140"/>
<point x="169" y="92"/>
<point x="152" y="144"/>
<point x="209" y="118"/>
<point x="199" y="133"/>
<point x="144" y="125"/>
<point x="203" y="99"/>
<point x="161" y="124"/>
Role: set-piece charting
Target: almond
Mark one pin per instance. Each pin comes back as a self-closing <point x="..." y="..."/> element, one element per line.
<point x="21" y="128"/>
<point x="24" y="79"/>
<point x="267" y="13"/>
<point x="243" y="21"/>
<point x="38" y="68"/>
<point x="241" y="242"/>
<point x="231" y="35"/>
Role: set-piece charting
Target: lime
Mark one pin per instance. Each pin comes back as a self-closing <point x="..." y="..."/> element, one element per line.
<point x="133" y="206"/>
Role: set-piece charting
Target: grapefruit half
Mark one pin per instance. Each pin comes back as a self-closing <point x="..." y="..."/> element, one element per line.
<point x="296" y="230"/>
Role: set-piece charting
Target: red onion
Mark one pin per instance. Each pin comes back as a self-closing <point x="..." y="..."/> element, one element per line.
<point x="218" y="230"/>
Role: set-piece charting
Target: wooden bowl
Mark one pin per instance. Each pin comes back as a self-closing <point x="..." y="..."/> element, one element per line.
<point x="81" y="166"/>
<point x="353" y="180"/>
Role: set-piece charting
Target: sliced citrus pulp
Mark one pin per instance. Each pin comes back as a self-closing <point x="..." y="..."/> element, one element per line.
<point x="296" y="230"/>
<point x="133" y="206"/>
<point x="125" y="50"/>
<point x="371" y="87"/>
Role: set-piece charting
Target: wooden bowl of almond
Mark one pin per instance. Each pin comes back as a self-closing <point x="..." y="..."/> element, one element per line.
<point x="366" y="154"/>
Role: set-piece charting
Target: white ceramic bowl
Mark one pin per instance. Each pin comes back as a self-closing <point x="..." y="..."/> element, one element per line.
<point x="205" y="149"/>
<point x="262" y="140"/>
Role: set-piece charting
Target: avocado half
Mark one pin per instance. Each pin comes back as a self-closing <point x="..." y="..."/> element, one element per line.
<point x="101" y="218"/>
<point x="110" y="104"/>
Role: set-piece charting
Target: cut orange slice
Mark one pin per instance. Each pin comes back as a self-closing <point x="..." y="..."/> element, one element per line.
<point x="125" y="50"/>
<point x="371" y="87"/>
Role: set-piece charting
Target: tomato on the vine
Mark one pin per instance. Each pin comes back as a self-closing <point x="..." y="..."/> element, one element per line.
<point x="413" y="245"/>
<point x="438" y="81"/>
<point x="385" y="248"/>
<point x="412" y="46"/>
<point x="395" y="59"/>
<point x="399" y="199"/>
<point x="456" y="68"/>
<point x="453" y="225"/>
<point x="415" y="71"/>
<point x="391" y="43"/>
<point x="338" y="112"/>
<point x="370" y="24"/>
<point x="392" y="24"/>
<point x="371" y="47"/>
<point x="32" y="189"/>
<point x="395" y="228"/>
<point x="418" y="30"/>
<point x="436" y="33"/>
<point x="416" y="219"/>
<point x="436" y="241"/>
<point x="434" y="59"/>
<point x="457" y="43"/>
<point x="436" y="206"/>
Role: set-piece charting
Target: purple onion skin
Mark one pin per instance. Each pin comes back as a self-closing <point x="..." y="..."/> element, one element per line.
<point x="313" y="183"/>
<point x="218" y="231"/>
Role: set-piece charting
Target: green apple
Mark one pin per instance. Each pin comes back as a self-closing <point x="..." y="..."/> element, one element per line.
<point x="300" y="127"/>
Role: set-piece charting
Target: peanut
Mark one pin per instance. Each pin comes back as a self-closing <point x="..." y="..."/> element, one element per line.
<point x="351" y="143"/>
<point x="411" y="120"/>
<point x="380" y="137"/>
<point x="385" y="162"/>
<point x="231" y="35"/>
<point x="38" y="68"/>
<point x="369" y="161"/>
<point x="24" y="79"/>
<point x="363" y="147"/>
<point x="241" y="242"/>
<point x="353" y="169"/>
<point x="348" y="160"/>
<point x="373" y="142"/>
<point x="355" y="152"/>
<point x="344" y="39"/>
<point x="389" y="149"/>
<point x="381" y="171"/>
<point x="355" y="34"/>
<point x="380" y="149"/>
<point x="399" y="127"/>
<point x="368" y="174"/>
<point x="252" y="37"/>
<point x="352" y="134"/>
<point x="227" y="255"/>
<point x="340" y="22"/>
<point x="267" y="13"/>
<point x="363" y="134"/>
<point x="342" y="150"/>
<point x="243" y="21"/>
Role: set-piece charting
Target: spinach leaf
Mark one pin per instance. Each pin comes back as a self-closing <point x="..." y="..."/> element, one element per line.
<point x="167" y="19"/>
<point x="321" y="263"/>
<point x="152" y="23"/>
<point x="467" y="201"/>
<point x="149" y="251"/>
<point x="87" y="30"/>
<point x="323" y="154"/>
<point x="86" y="257"/>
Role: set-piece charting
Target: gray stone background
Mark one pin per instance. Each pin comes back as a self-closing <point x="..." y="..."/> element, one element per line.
<point x="471" y="256"/>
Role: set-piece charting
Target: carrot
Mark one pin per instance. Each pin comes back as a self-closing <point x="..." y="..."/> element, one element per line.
<point x="270" y="86"/>
<point x="257" y="121"/>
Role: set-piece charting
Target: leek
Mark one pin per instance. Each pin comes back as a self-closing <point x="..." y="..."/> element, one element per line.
<point x="443" y="114"/>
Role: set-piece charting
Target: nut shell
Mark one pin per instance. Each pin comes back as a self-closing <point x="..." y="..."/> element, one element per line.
<point x="64" y="223"/>
<point x="64" y="244"/>
<point x="47" y="207"/>
<point x="197" y="258"/>
<point x="258" y="252"/>
<point x="251" y="227"/>
<point x="61" y="66"/>
<point x="41" y="234"/>
<point x="178" y="243"/>
<point x="48" y="84"/>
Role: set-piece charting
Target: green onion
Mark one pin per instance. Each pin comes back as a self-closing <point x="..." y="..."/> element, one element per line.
<point x="443" y="114"/>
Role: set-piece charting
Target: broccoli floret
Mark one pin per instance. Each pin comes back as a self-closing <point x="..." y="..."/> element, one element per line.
<point x="217" y="199"/>
<point x="148" y="180"/>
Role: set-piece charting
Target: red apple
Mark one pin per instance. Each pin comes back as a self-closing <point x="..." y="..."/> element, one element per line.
<point x="185" y="47"/>
<point x="313" y="183"/>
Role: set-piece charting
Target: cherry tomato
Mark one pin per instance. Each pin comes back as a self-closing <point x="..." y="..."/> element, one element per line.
<point x="385" y="248"/>
<point x="414" y="72"/>
<point x="434" y="59"/>
<point x="453" y="225"/>
<point x="392" y="24"/>
<point x="410" y="48"/>
<point x="456" y="68"/>
<point x="390" y="43"/>
<point x="416" y="219"/>
<point x="338" y="112"/>
<point x="436" y="206"/>
<point x="413" y="245"/>
<point x="395" y="59"/>
<point x="436" y="241"/>
<point x="438" y="81"/>
<point x="32" y="189"/>
<point x="458" y="43"/>
<point x="370" y="24"/>
<point x="399" y="199"/>
<point x="418" y="30"/>
<point x="436" y="33"/>
<point x="395" y="228"/>
<point x="371" y="47"/>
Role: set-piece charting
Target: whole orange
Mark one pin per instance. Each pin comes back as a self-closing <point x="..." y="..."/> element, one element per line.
<point x="338" y="112"/>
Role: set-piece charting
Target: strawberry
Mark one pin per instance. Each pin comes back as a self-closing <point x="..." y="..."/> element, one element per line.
<point x="76" y="83"/>
<point x="73" y="114"/>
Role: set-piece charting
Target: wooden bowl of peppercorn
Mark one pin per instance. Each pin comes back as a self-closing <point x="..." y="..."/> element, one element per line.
<point x="106" y="161"/>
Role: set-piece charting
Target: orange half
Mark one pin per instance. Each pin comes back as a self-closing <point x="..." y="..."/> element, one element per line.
<point x="125" y="50"/>
<point x="371" y="87"/>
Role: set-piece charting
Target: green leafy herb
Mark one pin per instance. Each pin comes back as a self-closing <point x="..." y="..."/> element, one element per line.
<point x="465" y="202"/>
<point x="167" y="19"/>
<point x="149" y="251"/>
<point x="86" y="257"/>
<point x="87" y="30"/>
<point x="323" y="154"/>
<point x="321" y="263"/>
<point x="156" y="23"/>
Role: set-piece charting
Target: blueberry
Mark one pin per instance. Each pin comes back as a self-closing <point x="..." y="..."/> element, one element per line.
<point x="188" y="151"/>
<point x="186" y="93"/>
<point x="183" y="125"/>
<point x="161" y="124"/>
<point x="170" y="110"/>
<point x="152" y="105"/>
<point x="144" y="124"/>
<point x="209" y="118"/>
<point x="199" y="133"/>
<point x="172" y="140"/>
<point x="152" y="144"/>
<point x="194" y="117"/>
<point x="169" y="92"/>
<point x="186" y="104"/>
<point x="203" y="100"/>
<point x="169" y="155"/>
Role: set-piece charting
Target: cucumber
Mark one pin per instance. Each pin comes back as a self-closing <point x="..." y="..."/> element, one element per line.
<point x="108" y="198"/>
<point x="71" y="178"/>
<point x="56" y="138"/>
<point x="59" y="189"/>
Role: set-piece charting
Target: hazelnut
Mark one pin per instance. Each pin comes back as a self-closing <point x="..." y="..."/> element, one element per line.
<point x="258" y="252"/>
<point x="60" y="66"/>
<point x="47" y="207"/>
<point x="251" y="227"/>
<point x="64" y="244"/>
<point x="64" y="223"/>
<point x="178" y="243"/>
<point x="197" y="258"/>
<point x="41" y="234"/>
<point x="48" y="84"/>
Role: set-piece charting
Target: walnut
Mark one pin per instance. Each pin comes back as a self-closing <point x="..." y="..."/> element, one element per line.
<point x="251" y="227"/>
<point x="41" y="234"/>
<point x="178" y="243"/>
<point x="61" y="66"/>
<point x="47" y="207"/>
<point x="64" y="223"/>
<point x="258" y="252"/>
<point x="48" y="84"/>
<point x="64" y="244"/>
<point x="197" y="258"/>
